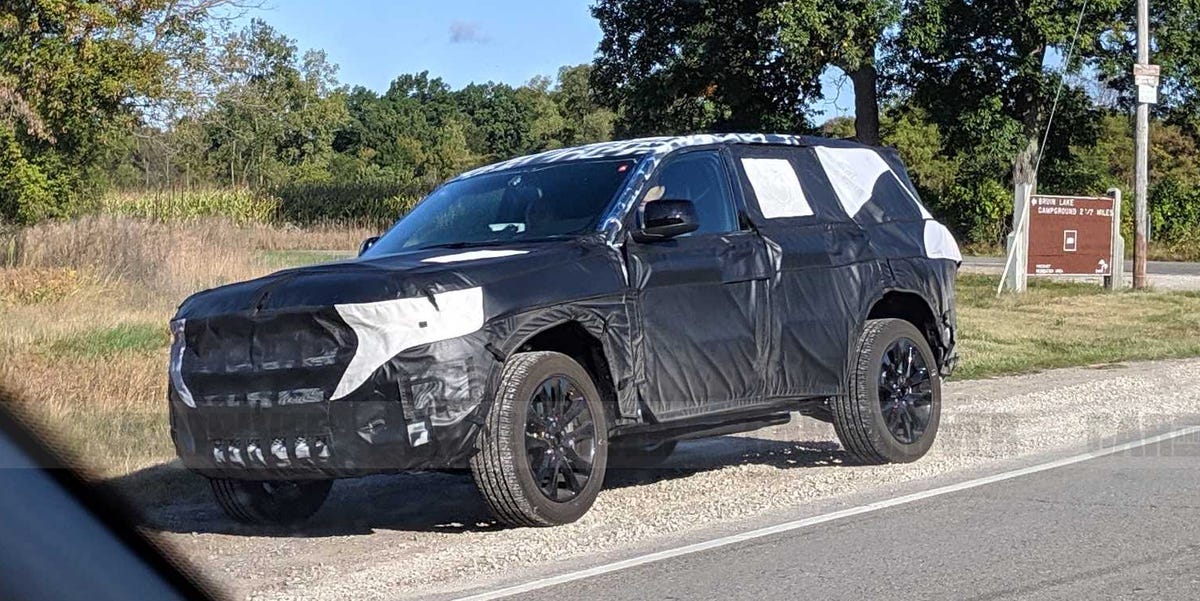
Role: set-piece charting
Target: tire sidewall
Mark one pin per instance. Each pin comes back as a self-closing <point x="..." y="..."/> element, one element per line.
<point x="557" y="364"/>
<point x="247" y="501"/>
<point x="882" y="438"/>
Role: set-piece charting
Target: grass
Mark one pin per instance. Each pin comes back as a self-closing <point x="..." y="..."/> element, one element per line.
<point x="83" y="338"/>
<point x="140" y="338"/>
<point x="280" y="259"/>
<point x="1179" y="250"/>
<point x="83" y="311"/>
<point x="1059" y="324"/>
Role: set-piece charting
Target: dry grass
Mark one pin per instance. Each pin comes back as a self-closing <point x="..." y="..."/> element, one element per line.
<point x="85" y="305"/>
<point x="34" y="286"/>
<point x="83" y="313"/>
<point x="167" y="258"/>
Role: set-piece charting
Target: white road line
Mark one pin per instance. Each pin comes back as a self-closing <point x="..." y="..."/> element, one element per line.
<point x="819" y="519"/>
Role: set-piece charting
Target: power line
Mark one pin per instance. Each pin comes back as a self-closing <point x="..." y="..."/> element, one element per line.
<point x="1062" y="80"/>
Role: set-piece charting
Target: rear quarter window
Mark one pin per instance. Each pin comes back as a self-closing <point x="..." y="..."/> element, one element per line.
<point x="765" y="172"/>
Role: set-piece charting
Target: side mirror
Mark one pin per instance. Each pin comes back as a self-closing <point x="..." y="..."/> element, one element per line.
<point x="663" y="219"/>
<point x="367" y="244"/>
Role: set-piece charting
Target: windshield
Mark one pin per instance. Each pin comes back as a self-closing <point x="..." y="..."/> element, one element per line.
<point x="515" y="205"/>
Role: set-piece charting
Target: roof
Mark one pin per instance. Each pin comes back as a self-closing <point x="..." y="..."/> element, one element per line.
<point x="656" y="147"/>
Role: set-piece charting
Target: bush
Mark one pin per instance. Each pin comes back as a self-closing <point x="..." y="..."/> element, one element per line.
<point x="38" y="188"/>
<point x="1174" y="211"/>
<point x="977" y="212"/>
<point x="377" y="203"/>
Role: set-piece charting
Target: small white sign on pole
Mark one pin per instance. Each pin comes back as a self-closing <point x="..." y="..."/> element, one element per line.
<point x="1145" y="77"/>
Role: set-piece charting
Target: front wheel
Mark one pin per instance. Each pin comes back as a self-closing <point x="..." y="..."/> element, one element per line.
<point x="270" y="501"/>
<point x="894" y="401"/>
<point x="544" y="447"/>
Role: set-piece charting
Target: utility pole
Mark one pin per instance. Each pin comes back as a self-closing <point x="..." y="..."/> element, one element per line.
<point x="1146" y="96"/>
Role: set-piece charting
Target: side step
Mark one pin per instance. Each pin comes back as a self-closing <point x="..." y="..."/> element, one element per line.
<point x="643" y="434"/>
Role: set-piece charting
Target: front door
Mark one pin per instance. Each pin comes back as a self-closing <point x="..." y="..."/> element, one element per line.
<point x="700" y="296"/>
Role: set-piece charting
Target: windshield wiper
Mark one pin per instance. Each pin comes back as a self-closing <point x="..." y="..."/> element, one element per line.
<point x="460" y="244"/>
<point x="478" y="243"/>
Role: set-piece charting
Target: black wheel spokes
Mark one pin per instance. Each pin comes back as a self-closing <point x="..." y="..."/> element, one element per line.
<point x="905" y="391"/>
<point x="559" y="439"/>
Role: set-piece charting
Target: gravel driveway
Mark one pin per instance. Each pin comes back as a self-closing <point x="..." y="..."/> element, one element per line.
<point x="400" y="536"/>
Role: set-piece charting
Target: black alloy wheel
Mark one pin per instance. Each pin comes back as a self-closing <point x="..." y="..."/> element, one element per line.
<point x="893" y="402"/>
<point x="559" y="438"/>
<point x="543" y="449"/>
<point x="905" y="391"/>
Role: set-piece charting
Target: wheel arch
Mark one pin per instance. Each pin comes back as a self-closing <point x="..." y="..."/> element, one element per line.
<point x="573" y="338"/>
<point x="915" y="309"/>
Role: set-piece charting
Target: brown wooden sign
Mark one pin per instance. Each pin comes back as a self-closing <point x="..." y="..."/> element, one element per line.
<point x="1070" y="235"/>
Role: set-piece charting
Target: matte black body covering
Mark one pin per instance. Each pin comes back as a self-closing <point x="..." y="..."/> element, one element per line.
<point x="689" y="327"/>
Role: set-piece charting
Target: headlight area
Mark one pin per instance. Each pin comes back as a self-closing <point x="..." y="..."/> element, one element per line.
<point x="175" y="367"/>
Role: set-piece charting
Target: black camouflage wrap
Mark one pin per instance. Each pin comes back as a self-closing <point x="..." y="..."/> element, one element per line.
<point x="689" y="327"/>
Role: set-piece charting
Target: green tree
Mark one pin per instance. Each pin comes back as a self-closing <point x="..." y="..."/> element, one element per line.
<point x="501" y="119"/>
<point x="76" y="80"/>
<point x="276" y="116"/>
<point x="679" y="66"/>
<point x="1176" y="48"/>
<point x="69" y="73"/>
<point x="980" y="67"/>
<point x="586" y="120"/>
<point x="845" y="34"/>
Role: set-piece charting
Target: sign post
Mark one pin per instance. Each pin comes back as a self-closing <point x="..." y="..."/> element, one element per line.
<point x="1018" y="241"/>
<point x="1116" y="280"/>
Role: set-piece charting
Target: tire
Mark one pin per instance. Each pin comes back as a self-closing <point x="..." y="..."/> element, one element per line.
<point x="875" y="388"/>
<point x="270" y="502"/>
<point x="644" y="456"/>
<point x="539" y="418"/>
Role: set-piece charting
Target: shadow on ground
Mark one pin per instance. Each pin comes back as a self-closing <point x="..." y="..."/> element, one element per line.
<point x="171" y="499"/>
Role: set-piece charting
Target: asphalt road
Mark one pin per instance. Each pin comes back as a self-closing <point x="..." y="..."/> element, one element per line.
<point x="1152" y="267"/>
<point x="1116" y="527"/>
<point x="428" y="535"/>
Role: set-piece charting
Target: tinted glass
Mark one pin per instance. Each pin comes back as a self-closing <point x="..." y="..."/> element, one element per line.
<point x="699" y="177"/>
<point x="514" y="205"/>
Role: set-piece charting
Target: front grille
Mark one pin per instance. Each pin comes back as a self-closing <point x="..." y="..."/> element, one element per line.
<point x="265" y="360"/>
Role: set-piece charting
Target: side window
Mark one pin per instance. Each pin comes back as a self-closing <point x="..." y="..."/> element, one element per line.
<point x="699" y="177"/>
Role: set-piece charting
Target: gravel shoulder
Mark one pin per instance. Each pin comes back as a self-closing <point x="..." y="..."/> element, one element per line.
<point x="427" y="533"/>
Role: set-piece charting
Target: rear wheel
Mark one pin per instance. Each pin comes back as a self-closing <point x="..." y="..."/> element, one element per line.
<point x="270" y="501"/>
<point x="893" y="408"/>
<point x="544" y="448"/>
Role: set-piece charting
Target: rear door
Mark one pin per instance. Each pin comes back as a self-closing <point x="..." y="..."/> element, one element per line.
<point x="699" y="296"/>
<point x="827" y="269"/>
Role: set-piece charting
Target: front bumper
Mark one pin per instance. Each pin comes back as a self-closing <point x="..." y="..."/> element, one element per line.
<point x="253" y="397"/>
<point x="317" y="440"/>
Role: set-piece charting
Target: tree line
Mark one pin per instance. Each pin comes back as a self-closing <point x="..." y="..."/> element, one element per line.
<point x="179" y="94"/>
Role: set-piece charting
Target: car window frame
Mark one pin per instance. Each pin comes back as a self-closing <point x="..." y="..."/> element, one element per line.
<point x="632" y="220"/>
<point x="598" y="227"/>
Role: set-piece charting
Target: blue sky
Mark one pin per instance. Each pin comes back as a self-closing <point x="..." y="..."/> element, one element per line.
<point x="461" y="41"/>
